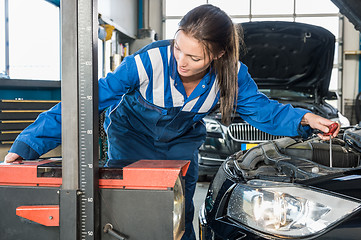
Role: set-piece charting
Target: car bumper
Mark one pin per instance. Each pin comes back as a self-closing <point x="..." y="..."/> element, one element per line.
<point x="205" y="232"/>
<point x="210" y="159"/>
<point x="209" y="166"/>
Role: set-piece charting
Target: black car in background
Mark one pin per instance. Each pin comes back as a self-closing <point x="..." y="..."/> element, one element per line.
<point x="290" y="62"/>
<point x="286" y="189"/>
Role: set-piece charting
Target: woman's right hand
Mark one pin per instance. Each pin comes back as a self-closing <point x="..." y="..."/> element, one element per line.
<point x="11" y="157"/>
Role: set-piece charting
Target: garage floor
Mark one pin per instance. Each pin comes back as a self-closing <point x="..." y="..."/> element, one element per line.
<point x="199" y="196"/>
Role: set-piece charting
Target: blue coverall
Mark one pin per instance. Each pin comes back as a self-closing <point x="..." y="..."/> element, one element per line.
<point x="149" y="115"/>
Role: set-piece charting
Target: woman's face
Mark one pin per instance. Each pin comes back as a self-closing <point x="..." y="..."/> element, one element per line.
<point x="190" y="55"/>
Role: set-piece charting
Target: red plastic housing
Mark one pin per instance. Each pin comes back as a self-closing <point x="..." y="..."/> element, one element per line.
<point x="143" y="174"/>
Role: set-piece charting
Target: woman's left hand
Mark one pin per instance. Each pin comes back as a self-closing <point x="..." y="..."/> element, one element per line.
<point x="320" y="123"/>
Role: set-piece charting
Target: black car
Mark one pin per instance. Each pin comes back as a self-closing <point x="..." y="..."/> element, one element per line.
<point x="290" y="62"/>
<point x="287" y="189"/>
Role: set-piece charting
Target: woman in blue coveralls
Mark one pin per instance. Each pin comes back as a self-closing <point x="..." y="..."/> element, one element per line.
<point x="157" y="97"/>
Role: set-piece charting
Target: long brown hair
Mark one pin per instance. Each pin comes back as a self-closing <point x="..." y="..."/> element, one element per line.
<point x="215" y="30"/>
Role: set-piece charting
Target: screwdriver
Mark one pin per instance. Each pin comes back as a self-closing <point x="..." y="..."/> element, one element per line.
<point x="331" y="129"/>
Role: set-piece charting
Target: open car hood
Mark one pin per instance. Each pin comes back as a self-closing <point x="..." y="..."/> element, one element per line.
<point x="289" y="55"/>
<point x="352" y="10"/>
<point x="302" y="161"/>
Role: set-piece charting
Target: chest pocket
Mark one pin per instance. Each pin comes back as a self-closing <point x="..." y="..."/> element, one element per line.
<point x="162" y="124"/>
<point x="183" y="126"/>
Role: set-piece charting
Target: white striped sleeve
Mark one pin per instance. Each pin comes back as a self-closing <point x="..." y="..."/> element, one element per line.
<point x="158" y="76"/>
<point x="143" y="77"/>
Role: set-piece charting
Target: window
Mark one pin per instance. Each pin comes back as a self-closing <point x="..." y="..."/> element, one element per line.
<point x="271" y="7"/>
<point x="173" y="8"/>
<point x="34" y="40"/>
<point x="315" y="7"/>
<point x="2" y="38"/>
<point x="233" y="7"/>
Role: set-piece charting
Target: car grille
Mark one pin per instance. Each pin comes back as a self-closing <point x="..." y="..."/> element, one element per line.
<point x="243" y="132"/>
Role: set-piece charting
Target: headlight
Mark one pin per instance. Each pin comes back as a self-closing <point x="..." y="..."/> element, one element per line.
<point x="286" y="210"/>
<point x="213" y="126"/>
<point x="178" y="210"/>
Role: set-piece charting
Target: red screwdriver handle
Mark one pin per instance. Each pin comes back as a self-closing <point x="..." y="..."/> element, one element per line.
<point x="331" y="129"/>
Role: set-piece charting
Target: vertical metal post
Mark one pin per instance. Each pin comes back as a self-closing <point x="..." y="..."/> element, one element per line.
<point x="140" y="14"/>
<point x="69" y="95"/>
<point x="340" y="61"/>
<point x="359" y="65"/>
<point x="79" y="210"/>
<point x="88" y="118"/>
<point x="146" y="7"/>
<point x="7" y="63"/>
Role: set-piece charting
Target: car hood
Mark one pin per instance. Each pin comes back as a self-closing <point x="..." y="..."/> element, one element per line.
<point x="352" y="10"/>
<point x="289" y="55"/>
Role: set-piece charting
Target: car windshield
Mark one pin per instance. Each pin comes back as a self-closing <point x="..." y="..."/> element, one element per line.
<point x="286" y="94"/>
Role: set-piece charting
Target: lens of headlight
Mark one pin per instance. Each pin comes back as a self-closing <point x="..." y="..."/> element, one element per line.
<point x="287" y="210"/>
<point x="213" y="126"/>
<point x="178" y="210"/>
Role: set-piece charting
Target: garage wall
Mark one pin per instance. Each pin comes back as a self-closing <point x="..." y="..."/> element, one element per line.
<point x="350" y="72"/>
<point x="156" y="15"/>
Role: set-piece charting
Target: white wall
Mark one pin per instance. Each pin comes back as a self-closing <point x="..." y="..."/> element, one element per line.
<point x="350" y="75"/>
<point x="156" y="15"/>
